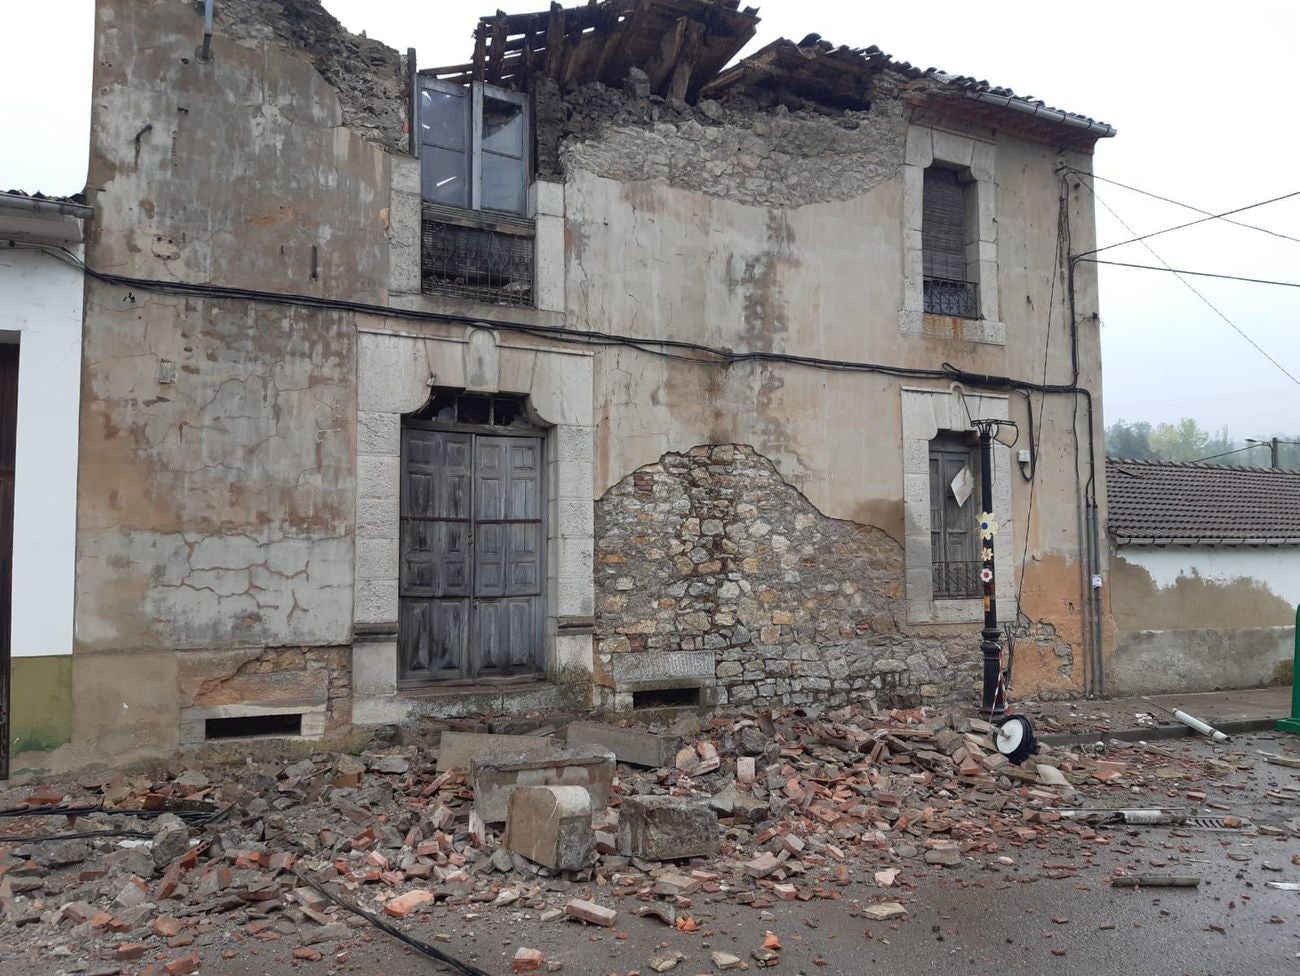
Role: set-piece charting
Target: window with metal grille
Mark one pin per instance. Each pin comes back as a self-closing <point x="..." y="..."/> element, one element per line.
<point x="954" y="534"/>
<point x="944" y="236"/>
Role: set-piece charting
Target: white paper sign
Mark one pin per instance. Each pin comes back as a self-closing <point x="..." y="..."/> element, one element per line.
<point x="963" y="485"/>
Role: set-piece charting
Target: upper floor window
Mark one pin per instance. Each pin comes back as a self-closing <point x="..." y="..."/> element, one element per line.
<point x="475" y="144"/>
<point x="947" y="240"/>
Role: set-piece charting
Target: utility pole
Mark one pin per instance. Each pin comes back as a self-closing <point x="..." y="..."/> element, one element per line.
<point x="993" y="705"/>
<point x="1274" y="449"/>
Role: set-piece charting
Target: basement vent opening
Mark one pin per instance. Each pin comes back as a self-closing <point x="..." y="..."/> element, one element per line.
<point x="251" y="726"/>
<point x="666" y="698"/>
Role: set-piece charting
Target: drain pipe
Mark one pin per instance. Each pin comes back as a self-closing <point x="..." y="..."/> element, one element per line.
<point x="1095" y="637"/>
<point x="206" y="54"/>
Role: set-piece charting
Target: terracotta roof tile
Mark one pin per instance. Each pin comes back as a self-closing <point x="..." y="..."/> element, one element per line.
<point x="1166" y="500"/>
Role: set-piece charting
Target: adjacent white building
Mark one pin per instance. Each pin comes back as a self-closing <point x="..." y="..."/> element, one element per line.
<point x="41" y="293"/>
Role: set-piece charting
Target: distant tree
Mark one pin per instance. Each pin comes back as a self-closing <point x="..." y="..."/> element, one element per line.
<point x="1124" y="440"/>
<point x="1183" y="441"/>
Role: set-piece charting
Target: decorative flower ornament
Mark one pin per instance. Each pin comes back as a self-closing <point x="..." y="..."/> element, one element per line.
<point x="988" y="525"/>
<point x="986" y="554"/>
<point x="986" y="575"/>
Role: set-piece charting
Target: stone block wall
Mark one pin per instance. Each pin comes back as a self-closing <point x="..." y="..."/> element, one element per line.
<point x="711" y="551"/>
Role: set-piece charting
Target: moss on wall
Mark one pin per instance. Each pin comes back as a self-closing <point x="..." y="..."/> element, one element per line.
<point x="41" y="703"/>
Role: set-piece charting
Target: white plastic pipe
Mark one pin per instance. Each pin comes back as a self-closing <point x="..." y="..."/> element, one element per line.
<point x="1192" y="722"/>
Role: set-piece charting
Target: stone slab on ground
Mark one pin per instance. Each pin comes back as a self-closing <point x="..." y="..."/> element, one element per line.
<point x="495" y="777"/>
<point x="636" y="747"/>
<point x="551" y="826"/>
<point x="457" y="749"/>
<point x="666" y="828"/>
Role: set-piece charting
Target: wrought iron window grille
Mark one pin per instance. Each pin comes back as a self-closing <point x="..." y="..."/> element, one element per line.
<point x="959" y="299"/>
<point x="477" y="255"/>
<point x="959" y="580"/>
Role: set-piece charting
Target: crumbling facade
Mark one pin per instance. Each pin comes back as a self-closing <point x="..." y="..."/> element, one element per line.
<point x="590" y="373"/>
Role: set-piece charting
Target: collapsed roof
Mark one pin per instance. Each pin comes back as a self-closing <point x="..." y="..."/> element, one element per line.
<point x="684" y="47"/>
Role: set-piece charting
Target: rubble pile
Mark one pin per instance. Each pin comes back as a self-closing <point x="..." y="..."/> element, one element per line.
<point x="753" y="809"/>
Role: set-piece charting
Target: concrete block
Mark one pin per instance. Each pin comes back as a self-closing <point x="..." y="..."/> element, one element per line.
<point x="496" y="777"/>
<point x="551" y="825"/>
<point x="379" y="433"/>
<point x="456" y="750"/>
<point x="374" y="669"/>
<point x="636" y="747"/>
<point x="663" y="828"/>
<point x="547" y="199"/>
<point x="573" y="661"/>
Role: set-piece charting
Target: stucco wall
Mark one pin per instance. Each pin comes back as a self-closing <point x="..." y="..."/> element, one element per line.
<point x="218" y="437"/>
<point x="40" y="308"/>
<point x="662" y="249"/>
<point x="1199" y="618"/>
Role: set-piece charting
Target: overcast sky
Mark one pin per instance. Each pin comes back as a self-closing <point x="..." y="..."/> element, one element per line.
<point x="1201" y="94"/>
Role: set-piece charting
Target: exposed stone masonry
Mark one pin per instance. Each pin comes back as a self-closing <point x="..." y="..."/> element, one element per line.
<point x="366" y="73"/>
<point x="739" y="149"/>
<point x="712" y="550"/>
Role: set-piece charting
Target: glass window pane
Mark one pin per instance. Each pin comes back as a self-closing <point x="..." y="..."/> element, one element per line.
<point x="503" y="126"/>
<point x="503" y="183"/>
<point x="445" y="176"/>
<point x="473" y="410"/>
<point x="444" y="118"/>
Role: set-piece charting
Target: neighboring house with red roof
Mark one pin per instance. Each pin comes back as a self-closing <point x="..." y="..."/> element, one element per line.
<point x="1205" y="574"/>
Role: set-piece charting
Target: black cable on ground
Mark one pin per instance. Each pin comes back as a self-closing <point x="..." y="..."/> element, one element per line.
<point x="78" y="835"/>
<point x="433" y="952"/>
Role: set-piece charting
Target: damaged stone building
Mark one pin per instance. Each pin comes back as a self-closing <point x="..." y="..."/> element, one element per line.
<point x="606" y="370"/>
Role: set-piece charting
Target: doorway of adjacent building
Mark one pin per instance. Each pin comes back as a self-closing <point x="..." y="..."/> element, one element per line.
<point x="8" y="441"/>
<point x="472" y="541"/>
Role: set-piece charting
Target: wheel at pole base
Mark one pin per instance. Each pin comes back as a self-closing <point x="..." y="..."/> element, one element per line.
<point x="1015" y="738"/>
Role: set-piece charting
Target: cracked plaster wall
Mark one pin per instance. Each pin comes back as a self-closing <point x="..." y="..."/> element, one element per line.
<point x="218" y="437"/>
<point x="666" y="239"/>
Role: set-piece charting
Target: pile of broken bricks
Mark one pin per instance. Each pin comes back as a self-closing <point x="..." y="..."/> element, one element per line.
<point x="749" y="808"/>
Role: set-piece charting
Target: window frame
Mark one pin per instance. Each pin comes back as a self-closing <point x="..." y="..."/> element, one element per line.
<point x="477" y="92"/>
<point x="947" y="445"/>
<point x="954" y="293"/>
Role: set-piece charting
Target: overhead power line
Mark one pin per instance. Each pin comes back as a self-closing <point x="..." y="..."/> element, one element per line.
<point x="1248" y="447"/>
<point x="1190" y="223"/>
<point x="1192" y="288"/>
<point x="1180" y="203"/>
<point x="1199" y="274"/>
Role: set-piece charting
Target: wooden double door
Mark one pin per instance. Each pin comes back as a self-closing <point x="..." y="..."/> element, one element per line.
<point x="473" y="539"/>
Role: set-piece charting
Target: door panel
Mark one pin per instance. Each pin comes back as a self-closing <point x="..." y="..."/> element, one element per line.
<point x="432" y="638"/>
<point x="471" y="555"/>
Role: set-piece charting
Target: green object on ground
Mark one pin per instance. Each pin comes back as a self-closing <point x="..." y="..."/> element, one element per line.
<point x="1292" y="724"/>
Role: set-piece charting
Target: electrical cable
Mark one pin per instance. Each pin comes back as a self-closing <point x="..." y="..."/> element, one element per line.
<point x="700" y="353"/>
<point x="433" y="952"/>
<point x="1035" y="435"/>
<point x="1176" y="203"/>
<point x="1192" y="288"/>
<point x="1249" y="447"/>
<point x="1190" y="223"/>
<point x="1199" y="274"/>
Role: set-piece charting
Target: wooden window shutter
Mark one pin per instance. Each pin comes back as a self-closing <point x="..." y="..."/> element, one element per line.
<point x="943" y="225"/>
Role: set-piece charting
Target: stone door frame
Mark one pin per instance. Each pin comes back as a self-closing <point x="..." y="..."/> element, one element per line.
<point x="396" y="371"/>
